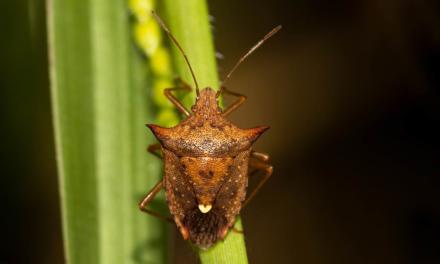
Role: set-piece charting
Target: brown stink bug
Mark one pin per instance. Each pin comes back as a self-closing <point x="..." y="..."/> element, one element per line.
<point x="207" y="161"/>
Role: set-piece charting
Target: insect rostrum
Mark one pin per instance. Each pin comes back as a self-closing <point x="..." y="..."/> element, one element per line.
<point x="207" y="161"/>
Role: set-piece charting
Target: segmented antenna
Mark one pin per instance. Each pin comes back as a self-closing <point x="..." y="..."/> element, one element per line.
<point x="164" y="27"/>
<point x="256" y="46"/>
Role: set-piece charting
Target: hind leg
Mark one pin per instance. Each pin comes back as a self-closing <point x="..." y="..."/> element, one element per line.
<point x="259" y="162"/>
<point x="149" y="198"/>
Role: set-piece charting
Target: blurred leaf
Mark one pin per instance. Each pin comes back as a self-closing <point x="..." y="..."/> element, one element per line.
<point x="99" y="99"/>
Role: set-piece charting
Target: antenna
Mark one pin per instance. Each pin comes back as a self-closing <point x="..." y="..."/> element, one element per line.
<point x="164" y="27"/>
<point x="256" y="46"/>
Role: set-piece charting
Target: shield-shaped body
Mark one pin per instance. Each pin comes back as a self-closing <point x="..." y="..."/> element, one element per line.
<point x="206" y="161"/>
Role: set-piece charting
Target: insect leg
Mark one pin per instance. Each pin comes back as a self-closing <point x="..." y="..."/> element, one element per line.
<point x="153" y="149"/>
<point x="260" y="166"/>
<point x="147" y="200"/>
<point x="260" y="156"/>
<point x="181" y="86"/>
<point x="234" y="105"/>
<point x="238" y="231"/>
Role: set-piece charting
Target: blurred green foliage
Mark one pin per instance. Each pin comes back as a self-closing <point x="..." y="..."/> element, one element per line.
<point x="100" y="88"/>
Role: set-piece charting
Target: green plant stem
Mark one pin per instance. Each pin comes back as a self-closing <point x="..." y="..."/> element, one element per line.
<point x="189" y="22"/>
<point x="99" y="106"/>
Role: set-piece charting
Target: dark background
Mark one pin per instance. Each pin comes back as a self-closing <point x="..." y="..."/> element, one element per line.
<point x="351" y="91"/>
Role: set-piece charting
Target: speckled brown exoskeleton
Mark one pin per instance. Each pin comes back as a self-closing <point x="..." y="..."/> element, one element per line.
<point x="207" y="161"/>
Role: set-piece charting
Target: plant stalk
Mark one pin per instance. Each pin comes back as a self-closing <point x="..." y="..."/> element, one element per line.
<point x="189" y="22"/>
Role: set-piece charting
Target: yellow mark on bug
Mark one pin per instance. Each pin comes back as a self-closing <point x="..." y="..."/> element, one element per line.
<point x="205" y="208"/>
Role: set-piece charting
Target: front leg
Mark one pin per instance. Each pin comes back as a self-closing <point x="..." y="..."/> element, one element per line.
<point x="181" y="86"/>
<point x="234" y="105"/>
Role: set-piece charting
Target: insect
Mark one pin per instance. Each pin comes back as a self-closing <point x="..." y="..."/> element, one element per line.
<point x="207" y="161"/>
